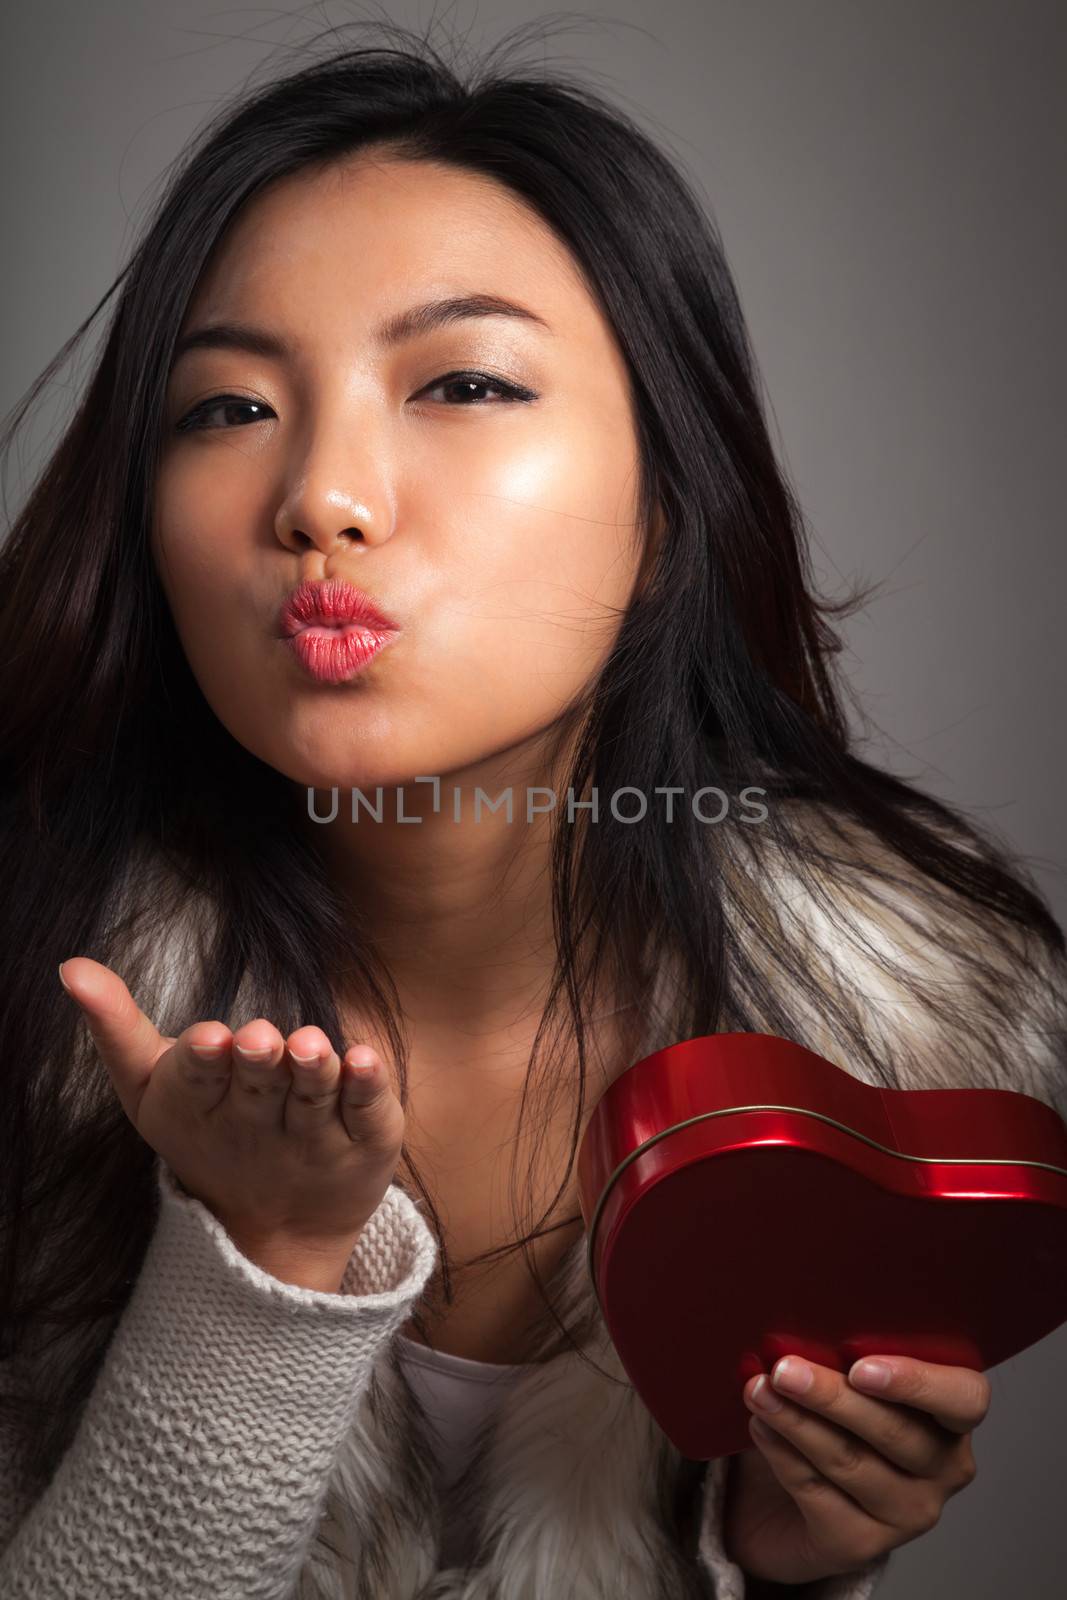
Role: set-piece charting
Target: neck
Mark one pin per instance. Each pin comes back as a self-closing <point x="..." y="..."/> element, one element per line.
<point x="458" y="902"/>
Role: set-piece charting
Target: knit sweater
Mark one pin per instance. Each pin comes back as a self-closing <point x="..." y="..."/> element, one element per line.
<point x="248" y="1439"/>
<point x="229" y="1399"/>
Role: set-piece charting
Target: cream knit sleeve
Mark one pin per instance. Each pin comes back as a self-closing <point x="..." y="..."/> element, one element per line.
<point x="203" y="1453"/>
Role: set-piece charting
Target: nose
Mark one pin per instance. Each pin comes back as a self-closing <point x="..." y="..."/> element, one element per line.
<point x="325" y="510"/>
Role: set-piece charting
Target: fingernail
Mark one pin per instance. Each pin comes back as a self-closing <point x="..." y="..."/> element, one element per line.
<point x="764" y="1396"/>
<point x="65" y="984"/>
<point x="253" y="1055"/>
<point x="871" y="1374"/>
<point x="207" y="1052"/>
<point x="794" y="1376"/>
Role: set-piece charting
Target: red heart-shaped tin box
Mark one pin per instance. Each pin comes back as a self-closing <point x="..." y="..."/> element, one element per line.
<point x="745" y="1199"/>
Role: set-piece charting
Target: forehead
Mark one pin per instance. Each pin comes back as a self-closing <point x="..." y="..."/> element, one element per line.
<point x="374" y="233"/>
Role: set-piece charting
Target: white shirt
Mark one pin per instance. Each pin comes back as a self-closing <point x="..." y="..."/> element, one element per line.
<point x="458" y="1395"/>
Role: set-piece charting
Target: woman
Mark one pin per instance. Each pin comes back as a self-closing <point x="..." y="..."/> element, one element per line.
<point x="423" y="464"/>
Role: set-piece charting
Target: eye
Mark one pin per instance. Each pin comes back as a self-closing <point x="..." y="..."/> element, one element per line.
<point x="196" y="419"/>
<point x="464" y="384"/>
<point x="467" y="386"/>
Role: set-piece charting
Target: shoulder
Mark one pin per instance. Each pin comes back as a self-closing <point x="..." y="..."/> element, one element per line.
<point x="891" y="973"/>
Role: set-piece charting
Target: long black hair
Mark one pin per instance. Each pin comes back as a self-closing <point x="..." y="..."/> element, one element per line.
<point x="113" y="766"/>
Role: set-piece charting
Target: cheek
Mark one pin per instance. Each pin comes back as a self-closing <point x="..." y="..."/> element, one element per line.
<point x="205" y="579"/>
<point x="182" y="537"/>
<point x="205" y="503"/>
<point x="195" y="584"/>
<point x="543" y="556"/>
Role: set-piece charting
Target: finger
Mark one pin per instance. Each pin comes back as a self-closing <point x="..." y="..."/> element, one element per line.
<point x="128" y="1042"/>
<point x="957" y="1397"/>
<point x="838" y="1527"/>
<point x="363" y="1093"/>
<point x="314" y="1079"/>
<point x="842" y="1455"/>
<point x="908" y="1438"/>
<point x="200" y="1062"/>
<point x="259" y="1080"/>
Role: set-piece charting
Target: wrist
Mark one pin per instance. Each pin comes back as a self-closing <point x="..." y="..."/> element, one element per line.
<point x="320" y="1268"/>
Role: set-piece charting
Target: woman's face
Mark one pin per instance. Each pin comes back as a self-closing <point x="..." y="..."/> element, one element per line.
<point x="495" y="526"/>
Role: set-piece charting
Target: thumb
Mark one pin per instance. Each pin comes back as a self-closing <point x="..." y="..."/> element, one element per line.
<point x="128" y="1042"/>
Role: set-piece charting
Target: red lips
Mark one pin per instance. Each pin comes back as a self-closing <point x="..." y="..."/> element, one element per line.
<point x="329" y="603"/>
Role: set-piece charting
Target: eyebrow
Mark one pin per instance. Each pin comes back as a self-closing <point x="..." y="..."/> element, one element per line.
<point x="403" y="325"/>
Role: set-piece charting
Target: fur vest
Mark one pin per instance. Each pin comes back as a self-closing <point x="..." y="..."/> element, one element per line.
<point x="574" y="1488"/>
<point x="575" y="1491"/>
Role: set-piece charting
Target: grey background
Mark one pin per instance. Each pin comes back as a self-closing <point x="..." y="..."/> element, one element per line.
<point x="888" y="181"/>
